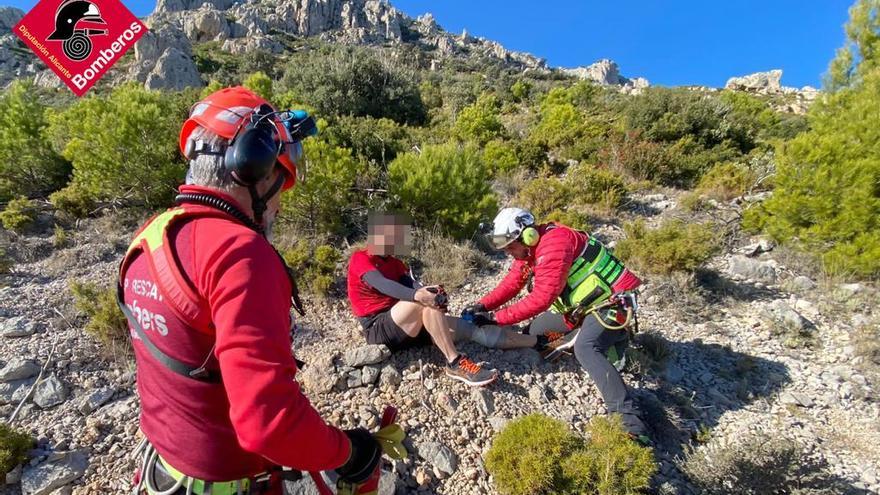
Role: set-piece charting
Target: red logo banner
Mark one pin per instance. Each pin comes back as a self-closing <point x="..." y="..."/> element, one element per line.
<point x="80" y="39"/>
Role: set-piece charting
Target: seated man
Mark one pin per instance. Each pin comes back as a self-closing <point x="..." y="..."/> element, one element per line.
<point x="397" y="311"/>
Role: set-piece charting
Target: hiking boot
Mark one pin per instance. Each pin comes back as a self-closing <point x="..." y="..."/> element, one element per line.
<point x="469" y="372"/>
<point x="559" y="342"/>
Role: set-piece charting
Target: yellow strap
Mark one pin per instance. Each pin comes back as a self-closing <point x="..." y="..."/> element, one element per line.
<point x="217" y="487"/>
<point x="391" y="439"/>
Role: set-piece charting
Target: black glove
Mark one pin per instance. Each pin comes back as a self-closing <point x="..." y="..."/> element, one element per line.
<point x="365" y="456"/>
<point x="484" y="318"/>
<point x="473" y="309"/>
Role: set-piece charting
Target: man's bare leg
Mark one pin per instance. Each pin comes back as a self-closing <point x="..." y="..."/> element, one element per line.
<point x="412" y="317"/>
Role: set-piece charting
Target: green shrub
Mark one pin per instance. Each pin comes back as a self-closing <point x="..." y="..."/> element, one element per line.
<point x="826" y="197"/>
<point x="106" y="322"/>
<point x="668" y="115"/>
<point x="532" y="154"/>
<point x="520" y="90"/>
<point x="544" y="195"/>
<point x="536" y="454"/>
<point x="261" y="84"/>
<point x="610" y="463"/>
<point x="526" y="456"/>
<point x="500" y="157"/>
<point x="726" y="181"/>
<point x="19" y="214"/>
<point x="314" y="266"/>
<point x="319" y="204"/>
<point x="638" y="158"/>
<point x="59" y="237"/>
<point x="674" y="246"/>
<point x="358" y="81"/>
<point x="14" y="447"/>
<point x="589" y="185"/>
<point x="28" y="164"/>
<point x="123" y="148"/>
<point x="479" y="122"/>
<point x="370" y="139"/>
<point x="445" y="185"/>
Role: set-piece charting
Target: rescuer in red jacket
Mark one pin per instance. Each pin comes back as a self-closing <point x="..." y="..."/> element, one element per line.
<point x="208" y="301"/>
<point x="580" y="295"/>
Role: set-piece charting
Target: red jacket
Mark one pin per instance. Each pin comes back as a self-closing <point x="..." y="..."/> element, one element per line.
<point x="258" y="416"/>
<point x="549" y="262"/>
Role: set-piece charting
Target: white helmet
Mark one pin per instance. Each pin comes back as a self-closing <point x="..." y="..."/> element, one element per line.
<point x="508" y="226"/>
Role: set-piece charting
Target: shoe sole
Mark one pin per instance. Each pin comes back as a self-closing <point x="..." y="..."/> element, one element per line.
<point x="565" y="346"/>
<point x="472" y="383"/>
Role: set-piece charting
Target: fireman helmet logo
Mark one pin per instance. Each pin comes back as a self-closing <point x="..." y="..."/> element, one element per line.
<point x="69" y="21"/>
<point x="80" y="39"/>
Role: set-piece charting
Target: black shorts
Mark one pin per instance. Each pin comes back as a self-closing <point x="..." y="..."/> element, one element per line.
<point x="381" y="329"/>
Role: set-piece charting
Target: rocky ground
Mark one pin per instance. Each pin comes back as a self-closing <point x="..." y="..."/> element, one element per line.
<point x="749" y="347"/>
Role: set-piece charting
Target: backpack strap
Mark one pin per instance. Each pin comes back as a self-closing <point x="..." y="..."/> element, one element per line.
<point x="199" y="373"/>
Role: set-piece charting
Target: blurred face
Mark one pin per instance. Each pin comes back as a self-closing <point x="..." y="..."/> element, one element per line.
<point x="273" y="205"/>
<point x="517" y="250"/>
<point x="389" y="234"/>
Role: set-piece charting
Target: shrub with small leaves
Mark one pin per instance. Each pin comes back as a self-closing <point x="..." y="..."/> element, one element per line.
<point x="589" y="185"/>
<point x="105" y="320"/>
<point x="59" y="237"/>
<point x="674" y="246"/>
<point x="520" y="90"/>
<point x="314" y="266"/>
<point x="544" y="195"/>
<point x="536" y="454"/>
<point x="726" y="181"/>
<point x="500" y="157"/>
<point x="123" y="148"/>
<point x="444" y="186"/>
<point x="14" y="447"/>
<point x="19" y="214"/>
<point x="609" y="463"/>
<point x="479" y="122"/>
<point x="526" y="457"/>
<point x="28" y="165"/>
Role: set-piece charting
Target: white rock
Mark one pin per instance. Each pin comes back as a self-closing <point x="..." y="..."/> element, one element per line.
<point x="364" y="355"/>
<point x="54" y="473"/>
<point x="18" y="368"/>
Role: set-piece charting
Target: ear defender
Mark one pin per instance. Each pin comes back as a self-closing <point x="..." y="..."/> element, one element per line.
<point x="530" y="236"/>
<point x="254" y="150"/>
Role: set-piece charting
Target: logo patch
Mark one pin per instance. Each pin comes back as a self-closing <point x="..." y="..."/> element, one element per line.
<point x="79" y="39"/>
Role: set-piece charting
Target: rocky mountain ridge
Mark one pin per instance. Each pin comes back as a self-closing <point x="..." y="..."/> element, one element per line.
<point x="163" y="57"/>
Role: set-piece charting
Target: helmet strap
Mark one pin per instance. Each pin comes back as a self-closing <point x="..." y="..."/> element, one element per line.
<point x="259" y="203"/>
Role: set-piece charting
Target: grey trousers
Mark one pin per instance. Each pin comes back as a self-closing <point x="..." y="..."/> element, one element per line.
<point x="592" y="344"/>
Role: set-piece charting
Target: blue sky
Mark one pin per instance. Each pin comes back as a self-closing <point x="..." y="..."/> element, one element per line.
<point x="668" y="42"/>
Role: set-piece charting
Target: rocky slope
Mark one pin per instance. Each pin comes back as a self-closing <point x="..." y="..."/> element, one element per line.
<point x="729" y="371"/>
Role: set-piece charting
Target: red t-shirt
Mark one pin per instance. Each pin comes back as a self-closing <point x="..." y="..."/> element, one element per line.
<point x="365" y="300"/>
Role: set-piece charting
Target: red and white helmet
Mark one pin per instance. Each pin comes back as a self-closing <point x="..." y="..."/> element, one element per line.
<point x="225" y="111"/>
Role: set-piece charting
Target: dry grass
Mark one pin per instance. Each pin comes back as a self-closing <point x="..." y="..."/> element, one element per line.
<point x="447" y="262"/>
<point x="759" y="465"/>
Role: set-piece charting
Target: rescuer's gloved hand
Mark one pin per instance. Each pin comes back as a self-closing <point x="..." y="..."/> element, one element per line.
<point x="484" y="318"/>
<point x="390" y="440"/>
<point x="364" y="459"/>
<point x="470" y="310"/>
